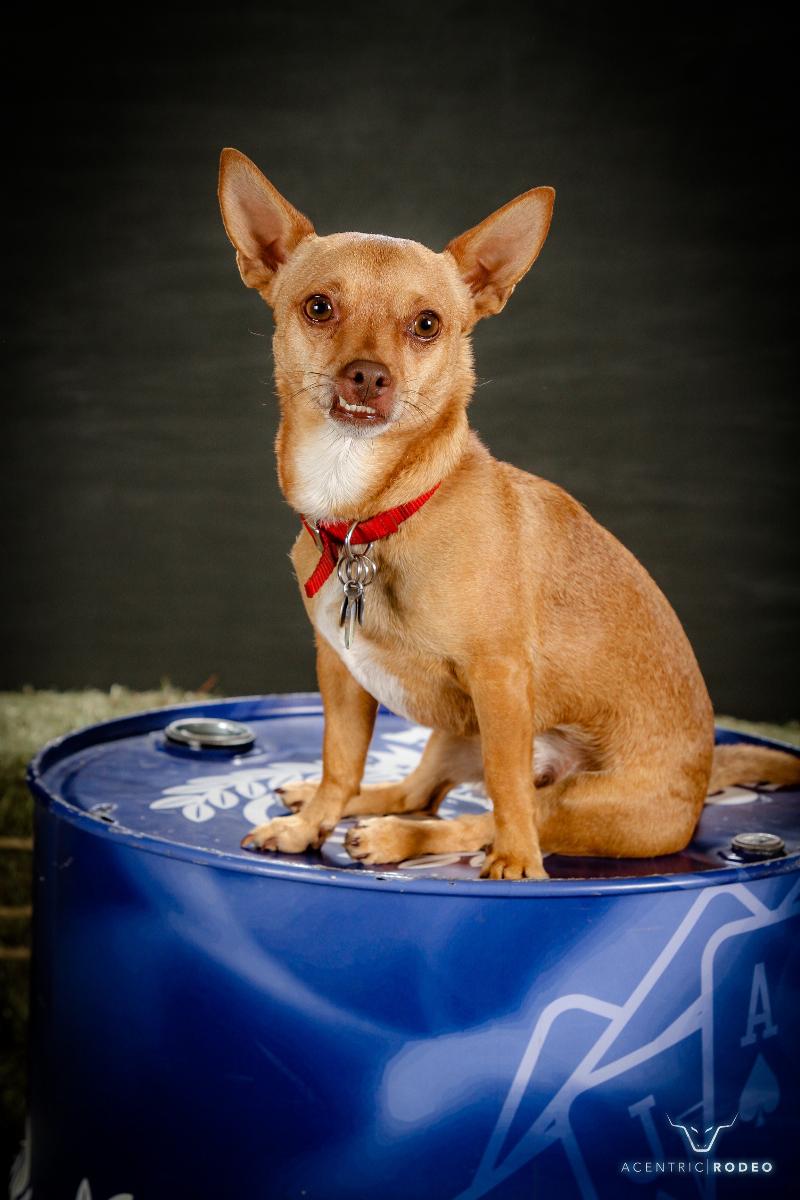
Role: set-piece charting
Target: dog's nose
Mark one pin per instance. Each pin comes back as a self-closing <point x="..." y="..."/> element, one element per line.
<point x="363" y="381"/>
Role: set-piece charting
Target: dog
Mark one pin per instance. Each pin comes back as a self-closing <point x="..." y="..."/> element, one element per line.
<point x="463" y="593"/>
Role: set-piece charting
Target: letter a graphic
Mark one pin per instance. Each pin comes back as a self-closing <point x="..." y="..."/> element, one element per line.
<point x="760" y="1012"/>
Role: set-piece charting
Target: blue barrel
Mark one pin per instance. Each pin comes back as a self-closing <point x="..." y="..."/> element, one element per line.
<point x="209" y="1023"/>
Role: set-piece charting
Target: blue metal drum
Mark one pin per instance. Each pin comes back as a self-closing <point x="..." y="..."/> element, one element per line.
<point x="209" y="1023"/>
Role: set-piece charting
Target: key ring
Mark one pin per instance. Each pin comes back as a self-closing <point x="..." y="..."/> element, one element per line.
<point x="358" y="569"/>
<point x="349" y="551"/>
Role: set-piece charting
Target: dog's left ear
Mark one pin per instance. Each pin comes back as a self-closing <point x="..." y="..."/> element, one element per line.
<point x="262" y="225"/>
<point x="492" y="257"/>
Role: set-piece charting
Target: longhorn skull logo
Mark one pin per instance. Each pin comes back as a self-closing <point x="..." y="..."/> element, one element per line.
<point x="694" y="1135"/>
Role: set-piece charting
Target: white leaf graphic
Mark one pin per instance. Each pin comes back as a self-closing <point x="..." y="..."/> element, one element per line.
<point x="430" y="860"/>
<point x="191" y="787"/>
<point x="175" y="801"/>
<point x="84" y="1192"/>
<point x="222" y="799"/>
<point x="251" y="790"/>
<point x="202" y="795"/>
<point x="732" y="795"/>
<point x="198" y="812"/>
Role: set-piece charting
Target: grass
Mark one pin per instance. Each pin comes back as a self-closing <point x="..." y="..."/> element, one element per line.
<point x="790" y="732"/>
<point x="28" y="719"/>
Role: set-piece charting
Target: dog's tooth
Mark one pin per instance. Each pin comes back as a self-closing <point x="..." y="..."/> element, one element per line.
<point x="354" y="408"/>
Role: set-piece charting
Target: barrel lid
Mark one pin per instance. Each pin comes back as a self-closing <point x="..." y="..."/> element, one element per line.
<point x="196" y="798"/>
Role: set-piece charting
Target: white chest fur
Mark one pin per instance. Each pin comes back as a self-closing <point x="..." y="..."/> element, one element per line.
<point x="331" y="472"/>
<point x="362" y="659"/>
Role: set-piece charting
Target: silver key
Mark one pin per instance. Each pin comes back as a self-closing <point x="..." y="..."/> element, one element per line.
<point x="356" y="571"/>
<point x="352" y="611"/>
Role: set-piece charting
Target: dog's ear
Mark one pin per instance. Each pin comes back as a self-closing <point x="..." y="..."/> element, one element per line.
<point x="263" y="227"/>
<point x="492" y="257"/>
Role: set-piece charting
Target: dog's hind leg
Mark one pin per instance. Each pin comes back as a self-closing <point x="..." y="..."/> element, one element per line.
<point x="446" y="761"/>
<point x="392" y="839"/>
<point x="622" y="813"/>
<point x="599" y="814"/>
<point x="295" y="795"/>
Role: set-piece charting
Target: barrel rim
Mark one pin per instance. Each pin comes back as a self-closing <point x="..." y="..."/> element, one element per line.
<point x="275" y="705"/>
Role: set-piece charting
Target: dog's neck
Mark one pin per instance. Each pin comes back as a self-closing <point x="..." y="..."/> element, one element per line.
<point x="328" y="476"/>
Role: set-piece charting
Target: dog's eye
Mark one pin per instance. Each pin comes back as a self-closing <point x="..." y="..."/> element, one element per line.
<point x="318" y="308"/>
<point x="426" y="326"/>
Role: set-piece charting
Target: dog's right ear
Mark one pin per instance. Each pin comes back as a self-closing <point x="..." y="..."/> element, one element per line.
<point x="263" y="227"/>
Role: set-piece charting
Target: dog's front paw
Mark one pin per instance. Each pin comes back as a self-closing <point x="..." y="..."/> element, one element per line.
<point x="381" y="840"/>
<point x="506" y="865"/>
<point x="296" y="795"/>
<point x="290" y="835"/>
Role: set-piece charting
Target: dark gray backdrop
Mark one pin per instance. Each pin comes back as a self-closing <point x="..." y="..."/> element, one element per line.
<point x="645" y="364"/>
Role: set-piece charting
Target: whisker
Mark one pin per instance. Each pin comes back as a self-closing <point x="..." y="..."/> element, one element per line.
<point x="427" y="417"/>
<point x="306" y="388"/>
<point x="420" y="393"/>
<point x="425" y="404"/>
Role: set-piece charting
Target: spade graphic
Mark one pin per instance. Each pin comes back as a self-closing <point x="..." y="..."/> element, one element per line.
<point x="760" y="1093"/>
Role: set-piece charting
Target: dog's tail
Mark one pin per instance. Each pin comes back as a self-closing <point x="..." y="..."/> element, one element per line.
<point x="744" y="763"/>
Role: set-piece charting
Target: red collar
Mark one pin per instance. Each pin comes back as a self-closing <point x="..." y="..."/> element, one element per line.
<point x="330" y="535"/>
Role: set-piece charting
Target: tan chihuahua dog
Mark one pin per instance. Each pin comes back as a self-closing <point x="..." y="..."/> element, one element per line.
<point x="459" y="591"/>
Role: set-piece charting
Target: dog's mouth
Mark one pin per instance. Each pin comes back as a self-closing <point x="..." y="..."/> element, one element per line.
<point x="358" y="414"/>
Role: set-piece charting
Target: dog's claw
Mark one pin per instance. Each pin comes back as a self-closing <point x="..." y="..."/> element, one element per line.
<point x="352" y="842"/>
<point x="289" y="835"/>
<point x="295" y="796"/>
<point x="500" y="865"/>
<point x="250" y="841"/>
<point x="375" y="841"/>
